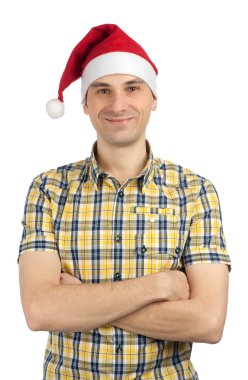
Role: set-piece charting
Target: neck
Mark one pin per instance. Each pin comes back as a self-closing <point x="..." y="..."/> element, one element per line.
<point x="122" y="162"/>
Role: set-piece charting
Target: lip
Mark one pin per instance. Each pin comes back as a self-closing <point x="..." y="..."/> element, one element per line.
<point x="118" y="121"/>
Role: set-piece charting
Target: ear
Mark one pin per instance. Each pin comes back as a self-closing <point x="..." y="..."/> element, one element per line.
<point x="85" y="107"/>
<point x="154" y="105"/>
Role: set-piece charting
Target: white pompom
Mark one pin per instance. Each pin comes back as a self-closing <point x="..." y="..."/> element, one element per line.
<point x="55" y="108"/>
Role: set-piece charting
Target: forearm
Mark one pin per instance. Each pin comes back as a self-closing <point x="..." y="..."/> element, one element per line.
<point x="184" y="320"/>
<point x="87" y="306"/>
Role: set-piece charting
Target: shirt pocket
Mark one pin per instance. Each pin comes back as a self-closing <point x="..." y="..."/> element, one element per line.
<point x="157" y="242"/>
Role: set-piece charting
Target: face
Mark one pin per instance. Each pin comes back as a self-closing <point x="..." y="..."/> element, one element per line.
<point x="119" y="107"/>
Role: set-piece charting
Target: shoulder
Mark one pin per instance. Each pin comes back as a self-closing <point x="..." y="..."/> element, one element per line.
<point x="62" y="176"/>
<point x="176" y="175"/>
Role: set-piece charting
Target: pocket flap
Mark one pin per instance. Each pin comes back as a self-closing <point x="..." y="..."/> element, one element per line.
<point x="154" y="210"/>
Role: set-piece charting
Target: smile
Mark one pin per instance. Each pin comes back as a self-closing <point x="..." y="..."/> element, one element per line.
<point x="118" y="121"/>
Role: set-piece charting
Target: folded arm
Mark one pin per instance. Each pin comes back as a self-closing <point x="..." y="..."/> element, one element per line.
<point x="201" y="318"/>
<point x="51" y="303"/>
<point x="57" y="301"/>
<point x="51" y="306"/>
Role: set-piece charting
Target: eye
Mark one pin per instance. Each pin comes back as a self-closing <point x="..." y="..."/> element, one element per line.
<point x="133" y="88"/>
<point x="103" y="91"/>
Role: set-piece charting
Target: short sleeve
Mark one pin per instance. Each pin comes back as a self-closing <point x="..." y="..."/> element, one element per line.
<point x="206" y="241"/>
<point x="38" y="227"/>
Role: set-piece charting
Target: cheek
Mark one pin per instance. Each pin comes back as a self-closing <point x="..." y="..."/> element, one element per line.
<point x="146" y="110"/>
<point x="95" y="118"/>
<point x="93" y="112"/>
<point x="145" y="105"/>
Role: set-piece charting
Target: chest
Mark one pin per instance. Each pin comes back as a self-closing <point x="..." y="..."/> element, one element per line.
<point x="122" y="231"/>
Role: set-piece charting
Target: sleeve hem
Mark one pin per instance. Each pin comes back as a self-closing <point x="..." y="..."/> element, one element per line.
<point x="228" y="263"/>
<point x="29" y="250"/>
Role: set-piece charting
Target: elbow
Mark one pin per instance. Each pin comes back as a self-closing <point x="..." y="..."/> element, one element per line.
<point x="214" y="331"/>
<point x="34" y="319"/>
<point x="38" y="312"/>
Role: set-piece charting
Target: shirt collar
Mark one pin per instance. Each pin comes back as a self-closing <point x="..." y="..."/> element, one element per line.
<point x="147" y="172"/>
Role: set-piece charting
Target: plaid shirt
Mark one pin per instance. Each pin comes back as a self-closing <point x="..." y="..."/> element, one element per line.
<point x="166" y="218"/>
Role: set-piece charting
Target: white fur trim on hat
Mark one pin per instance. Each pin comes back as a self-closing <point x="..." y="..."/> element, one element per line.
<point x="118" y="63"/>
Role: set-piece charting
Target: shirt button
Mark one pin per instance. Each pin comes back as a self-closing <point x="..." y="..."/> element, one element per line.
<point x="121" y="194"/>
<point x="178" y="249"/>
<point x="118" y="349"/>
<point x="117" y="276"/>
<point x="118" y="238"/>
<point x="143" y="249"/>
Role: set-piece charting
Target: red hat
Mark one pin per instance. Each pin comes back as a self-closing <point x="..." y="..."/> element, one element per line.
<point x="105" y="50"/>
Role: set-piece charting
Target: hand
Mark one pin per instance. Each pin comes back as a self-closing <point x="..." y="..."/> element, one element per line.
<point x="68" y="279"/>
<point x="172" y="285"/>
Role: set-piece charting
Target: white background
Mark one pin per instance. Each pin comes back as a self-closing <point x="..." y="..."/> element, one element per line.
<point x="200" y="49"/>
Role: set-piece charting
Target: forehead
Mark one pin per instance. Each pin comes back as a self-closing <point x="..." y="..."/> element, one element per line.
<point x="117" y="80"/>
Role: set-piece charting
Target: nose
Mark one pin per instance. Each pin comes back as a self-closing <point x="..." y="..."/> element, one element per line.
<point x="118" y="102"/>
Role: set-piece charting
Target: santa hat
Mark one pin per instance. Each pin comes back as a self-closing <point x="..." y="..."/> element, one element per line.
<point x="105" y="50"/>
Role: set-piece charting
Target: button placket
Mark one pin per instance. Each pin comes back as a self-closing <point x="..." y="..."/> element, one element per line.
<point x="118" y="237"/>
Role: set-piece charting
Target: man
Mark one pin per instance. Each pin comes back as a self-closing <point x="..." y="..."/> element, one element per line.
<point x="123" y="257"/>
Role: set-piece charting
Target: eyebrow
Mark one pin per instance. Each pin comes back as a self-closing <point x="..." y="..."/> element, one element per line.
<point x="130" y="82"/>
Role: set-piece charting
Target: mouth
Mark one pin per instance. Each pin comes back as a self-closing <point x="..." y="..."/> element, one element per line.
<point x="118" y="121"/>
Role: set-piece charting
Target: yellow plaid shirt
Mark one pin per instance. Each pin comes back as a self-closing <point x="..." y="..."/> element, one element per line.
<point x="164" y="219"/>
